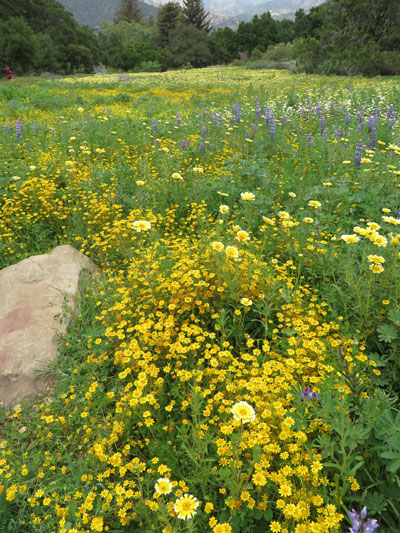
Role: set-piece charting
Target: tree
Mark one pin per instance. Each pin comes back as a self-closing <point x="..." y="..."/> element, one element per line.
<point x="167" y="18"/>
<point x="352" y="37"/>
<point x="195" y="15"/>
<point x="45" y="37"/>
<point x="285" y="28"/>
<point x="189" y="45"/>
<point x="127" y="44"/>
<point x="223" y="45"/>
<point x="19" y="47"/>
<point x="129" y="11"/>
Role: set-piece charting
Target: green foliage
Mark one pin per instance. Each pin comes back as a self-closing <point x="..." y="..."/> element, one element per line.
<point x="223" y="45"/>
<point x="167" y="19"/>
<point x="189" y="45"/>
<point x="91" y="202"/>
<point x="280" y="56"/>
<point x="128" y="11"/>
<point x="350" y="37"/>
<point x="195" y="15"/>
<point x="128" y="44"/>
<point x="45" y="37"/>
<point x="19" y="46"/>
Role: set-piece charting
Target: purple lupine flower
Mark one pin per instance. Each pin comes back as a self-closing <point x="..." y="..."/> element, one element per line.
<point x="155" y="125"/>
<point x="203" y="132"/>
<point x="237" y="111"/>
<point x="247" y="134"/>
<point x="372" y="143"/>
<point x="108" y="113"/>
<point x="178" y="119"/>
<point x="183" y="144"/>
<point x="360" y="120"/>
<point x="347" y="121"/>
<point x="204" y="112"/>
<point x="18" y="129"/>
<point x="201" y="147"/>
<point x="258" y="109"/>
<point x="325" y="135"/>
<point x="309" y="140"/>
<point x="332" y="106"/>
<point x="254" y="127"/>
<point x="155" y="142"/>
<point x="369" y="127"/>
<point x="389" y="112"/>
<point x="10" y="124"/>
<point x="322" y="124"/>
<point x="362" y="524"/>
<point x="318" y="111"/>
<point x="35" y="126"/>
<point x="214" y="119"/>
<point x="283" y="120"/>
<point x="272" y="128"/>
<point x="308" y="394"/>
<point x="358" y="154"/>
<point x="150" y="110"/>
<point x="391" y="125"/>
<point x="267" y="114"/>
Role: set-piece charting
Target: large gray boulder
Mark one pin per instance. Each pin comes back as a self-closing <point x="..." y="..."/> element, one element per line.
<point x="33" y="297"/>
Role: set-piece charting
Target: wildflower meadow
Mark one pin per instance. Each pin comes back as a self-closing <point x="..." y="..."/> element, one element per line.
<point x="235" y="365"/>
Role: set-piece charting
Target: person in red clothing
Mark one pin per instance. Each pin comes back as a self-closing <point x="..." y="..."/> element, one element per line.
<point x="8" y="73"/>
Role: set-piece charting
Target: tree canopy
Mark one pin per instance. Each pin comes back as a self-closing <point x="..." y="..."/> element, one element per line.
<point x="128" y="11"/>
<point x="195" y="15"/>
<point x="339" y="36"/>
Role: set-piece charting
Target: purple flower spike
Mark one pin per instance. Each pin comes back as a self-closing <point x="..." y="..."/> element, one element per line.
<point x="308" y="394"/>
<point x="359" y="153"/>
<point x="362" y="524"/>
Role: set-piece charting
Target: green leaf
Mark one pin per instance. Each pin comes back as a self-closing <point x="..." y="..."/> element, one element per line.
<point x="387" y="332"/>
<point x="390" y="455"/>
<point x="395" y="466"/>
<point x="394" y="316"/>
<point x="268" y="515"/>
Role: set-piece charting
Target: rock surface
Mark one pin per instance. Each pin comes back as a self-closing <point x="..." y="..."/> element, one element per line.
<point x="33" y="296"/>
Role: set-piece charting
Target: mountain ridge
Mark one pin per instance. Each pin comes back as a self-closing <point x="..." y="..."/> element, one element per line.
<point x="92" y="12"/>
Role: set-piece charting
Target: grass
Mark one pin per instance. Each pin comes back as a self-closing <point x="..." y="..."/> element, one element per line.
<point x="247" y="356"/>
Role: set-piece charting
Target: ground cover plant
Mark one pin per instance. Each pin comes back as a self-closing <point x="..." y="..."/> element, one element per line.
<point x="235" y="367"/>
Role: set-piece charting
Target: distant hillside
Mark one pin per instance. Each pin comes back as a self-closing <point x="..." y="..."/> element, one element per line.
<point x="92" y="12"/>
<point x="280" y="9"/>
